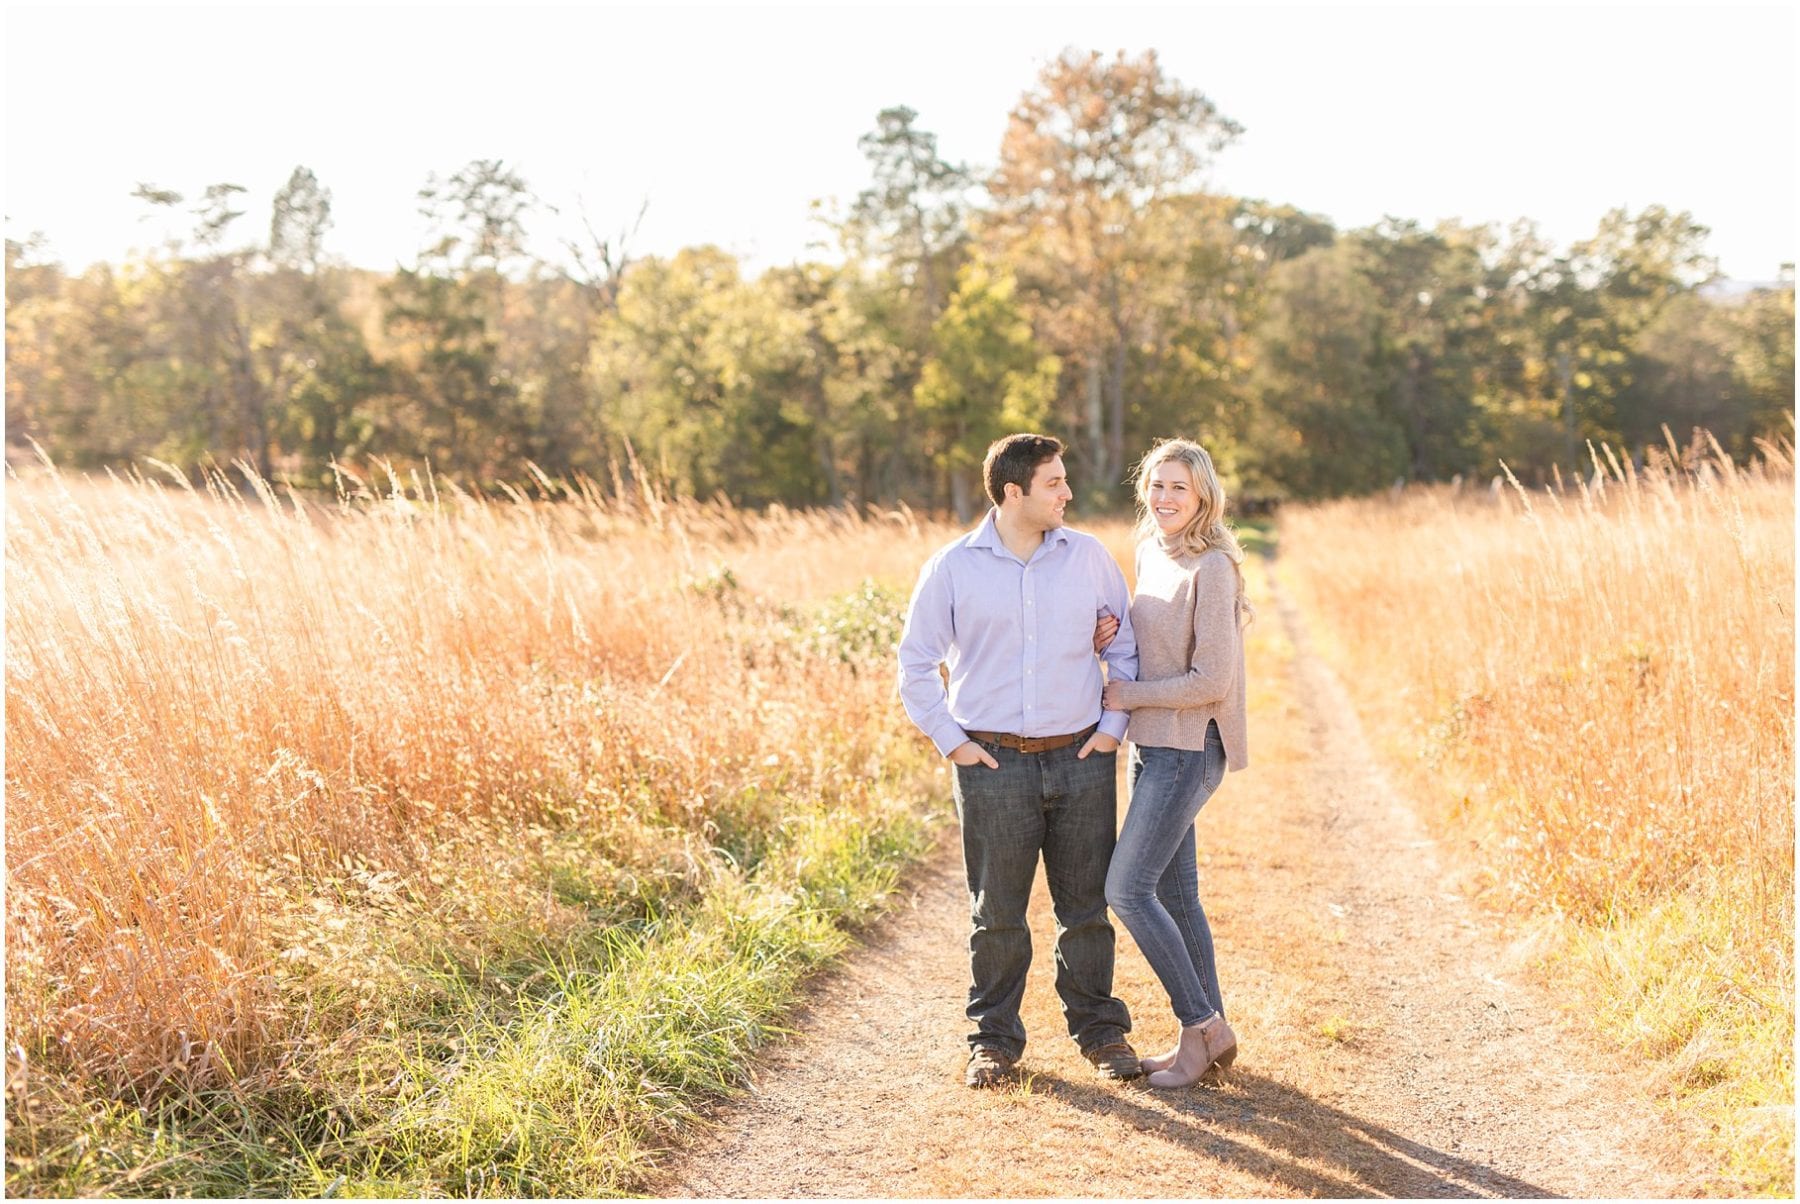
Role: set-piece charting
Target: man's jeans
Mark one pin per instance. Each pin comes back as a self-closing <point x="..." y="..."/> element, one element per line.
<point x="1154" y="883"/>
<point x="1067" y="809"/>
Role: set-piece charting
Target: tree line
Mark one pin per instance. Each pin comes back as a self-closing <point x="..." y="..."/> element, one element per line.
<point x="1087" y="285"/>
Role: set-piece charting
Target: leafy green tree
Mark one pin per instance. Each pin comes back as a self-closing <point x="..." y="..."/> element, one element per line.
<point x="1512" y="383"/>
<point x="535" y="321"/>
<point x="987" y="376"/>
<point x="913" y="217"/>
<point x="693" y="372"/>
<point x="321" y="377"/>
<point x="1321" y="428"/>
<point x="1723" y="365"/>
<point x="1186" y="355"/>
<point x="904" y="238"/>
<point x="1086" y="154"/>
<point x="452" y="396"/>
<point x="477" y="215"/>
<point x="448" y="311"/>
<point x="1271" y="233"/>
<point x="1761" y="342"/>
<point x="544" y="343"/>
<point x="856" y="377"/>
<point x="1680" y="375"/>
<point x="327" y="381"/>
<point x="94" y="367"/>
<point x="1312" y="363"/>
<point x="34" y="288"/>
<point x="1192" y="351"/>
<point x="1429" y="288"/>
<point x="1614" y="286"/>
<point x="203" y="333"/>
<point x="299" y="217"/>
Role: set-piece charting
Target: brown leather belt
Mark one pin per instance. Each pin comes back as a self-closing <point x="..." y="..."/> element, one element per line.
<point x="1031" y="744"/>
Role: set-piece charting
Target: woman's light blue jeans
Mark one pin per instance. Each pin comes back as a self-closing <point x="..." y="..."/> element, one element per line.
<point x="1153" y="884"/>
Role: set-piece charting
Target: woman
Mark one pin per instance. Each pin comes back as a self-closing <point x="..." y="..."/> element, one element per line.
<point x="1187" y="730"/>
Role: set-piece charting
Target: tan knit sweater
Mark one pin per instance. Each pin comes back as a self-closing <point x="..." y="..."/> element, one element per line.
<point x="1190" y="653"/>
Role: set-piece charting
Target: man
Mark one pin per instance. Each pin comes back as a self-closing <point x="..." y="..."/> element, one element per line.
<point x="1011" y="608"/>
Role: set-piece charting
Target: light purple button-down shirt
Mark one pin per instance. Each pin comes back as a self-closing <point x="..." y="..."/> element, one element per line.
<point x="1018" y="637"/>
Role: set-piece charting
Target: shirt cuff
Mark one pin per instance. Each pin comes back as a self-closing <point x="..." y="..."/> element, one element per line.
<point x="1113" y="723"/>
<point x="949" y="737"/>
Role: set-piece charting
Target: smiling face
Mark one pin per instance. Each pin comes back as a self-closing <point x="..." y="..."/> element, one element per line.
<point x="1172" y="496"/>
<point x="1042" y="508"/>
<point x="1181" y="499"/>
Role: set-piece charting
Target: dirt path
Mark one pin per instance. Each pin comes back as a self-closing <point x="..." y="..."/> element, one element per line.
<point x="1390" y="1044"/>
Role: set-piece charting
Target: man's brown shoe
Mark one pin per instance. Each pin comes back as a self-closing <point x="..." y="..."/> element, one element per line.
<point x="989" y="1066"/>
<point x="1115" y="1061"/>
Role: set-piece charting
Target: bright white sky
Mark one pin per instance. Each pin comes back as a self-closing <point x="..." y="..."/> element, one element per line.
<point x="733" y="120"/>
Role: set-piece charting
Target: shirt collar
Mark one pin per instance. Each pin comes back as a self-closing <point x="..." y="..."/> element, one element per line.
<point x="987" y="535"/>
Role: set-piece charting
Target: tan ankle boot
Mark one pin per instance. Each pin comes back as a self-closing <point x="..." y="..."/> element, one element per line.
<point x="1160" y="1061"/>
<point x="1221" y="1043"/>
<point x="1204" y="1046"/>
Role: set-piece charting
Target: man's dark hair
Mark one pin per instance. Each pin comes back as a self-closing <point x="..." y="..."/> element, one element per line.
<point x="1014" y="461"/>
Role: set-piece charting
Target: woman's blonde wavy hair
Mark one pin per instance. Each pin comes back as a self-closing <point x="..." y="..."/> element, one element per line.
<point x="1207" y="529"/>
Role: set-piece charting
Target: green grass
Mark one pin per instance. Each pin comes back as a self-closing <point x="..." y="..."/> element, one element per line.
<point x="1661" y="983"/>
<point x="1337" y="1029"/>
<point x="1257" y="536"/>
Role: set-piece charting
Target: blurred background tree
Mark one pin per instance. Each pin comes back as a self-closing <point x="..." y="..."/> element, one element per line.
<point x="1088" y="285"/>
<point x="986" y="377"/>
<point x="1085" y="160"/>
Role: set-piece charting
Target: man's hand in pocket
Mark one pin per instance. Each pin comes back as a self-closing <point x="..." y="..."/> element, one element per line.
<point x="971" y="753"/>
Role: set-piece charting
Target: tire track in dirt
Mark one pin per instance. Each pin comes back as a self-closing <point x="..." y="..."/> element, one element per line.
<point x="1391" y="1044"/>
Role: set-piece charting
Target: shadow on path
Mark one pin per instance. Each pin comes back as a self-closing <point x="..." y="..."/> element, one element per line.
<point x="1266" y="1128"/>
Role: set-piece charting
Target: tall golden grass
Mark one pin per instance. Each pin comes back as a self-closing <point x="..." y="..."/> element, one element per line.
<point x="268" y="756"/>
<point x="1595" y="685"/>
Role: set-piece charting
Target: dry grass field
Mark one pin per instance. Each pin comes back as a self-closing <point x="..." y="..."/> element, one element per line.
<point x="1592" y="688"/>
<point x="420" y="843"/>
